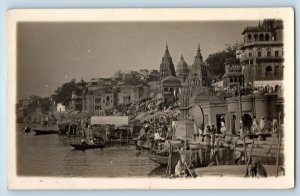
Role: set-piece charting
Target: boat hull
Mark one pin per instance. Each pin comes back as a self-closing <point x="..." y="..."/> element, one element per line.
<point x="86" y="146"/>
<point x="43" y="132"/>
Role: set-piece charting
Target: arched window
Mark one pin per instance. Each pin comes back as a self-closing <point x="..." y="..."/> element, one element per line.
<point x="261" y="37"/>
<point x="267" y="37"/>
<point x="269" y="71"/>
<point x="276" y="70"/>
<point x="256" y="37"/>
<point x="275" y="36"/>
<point x="249" y="37"/>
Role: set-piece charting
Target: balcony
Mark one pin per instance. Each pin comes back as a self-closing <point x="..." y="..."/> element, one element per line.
<point x="261" y="59"/>
<point x="262" y="43"/>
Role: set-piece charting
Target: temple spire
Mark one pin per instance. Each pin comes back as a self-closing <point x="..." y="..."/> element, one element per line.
<point x="181" y="57"/>
<point x="199" y="55"/>
<point x="259" y="23"/>
<point x="167" y="53"/>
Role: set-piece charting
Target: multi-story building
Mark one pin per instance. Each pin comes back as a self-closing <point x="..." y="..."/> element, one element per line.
<point x="99" y="101"/>
<point x="262" y="54"/>
<point x="233" y="73"/>
<point x="130" y="94"/>
<point x="100" y="95"/>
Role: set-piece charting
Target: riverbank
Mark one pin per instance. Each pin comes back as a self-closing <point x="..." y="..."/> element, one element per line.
<point x="230" y="170"/>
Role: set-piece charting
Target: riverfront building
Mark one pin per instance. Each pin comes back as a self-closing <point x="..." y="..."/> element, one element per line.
<point x="233" y="73"/>
<point x="265" y="106"/>
<point x="131" y="94"/>
<point x="262" y="54"/>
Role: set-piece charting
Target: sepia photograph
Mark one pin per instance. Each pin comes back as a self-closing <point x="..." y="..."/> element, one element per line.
<point x="150" y="98"/>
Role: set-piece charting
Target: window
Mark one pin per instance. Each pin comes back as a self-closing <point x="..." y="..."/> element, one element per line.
<point x="267" y="37"/>
<point x="98" y="100"/>
<point x="231" y="80"/>
<point x="259" y="72"/>
<point x="250" y="54"/>
<point x="255" y="37"/>
<point x="276" y="70"/>
<point x="261" y="37"/>
<point x="235" y="79"/>
<point x="268" y="53"/>
<point x="269" y="71"/>
<point x="249" y="37"/>
<point x="276" y="53"/>
<point x="259" y="53"/>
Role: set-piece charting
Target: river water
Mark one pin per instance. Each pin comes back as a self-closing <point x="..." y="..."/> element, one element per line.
<point x="52" y="155"/>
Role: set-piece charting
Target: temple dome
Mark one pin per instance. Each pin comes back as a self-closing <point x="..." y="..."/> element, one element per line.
<point x="171" y="81"/>
<point x="182" y="67"/>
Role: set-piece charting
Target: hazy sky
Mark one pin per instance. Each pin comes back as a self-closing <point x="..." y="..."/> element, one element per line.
<point x="50" y="54"/>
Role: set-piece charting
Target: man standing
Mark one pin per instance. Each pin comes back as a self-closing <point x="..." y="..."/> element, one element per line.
<point x="274" y="124"/>
<point x="262" y="124"/>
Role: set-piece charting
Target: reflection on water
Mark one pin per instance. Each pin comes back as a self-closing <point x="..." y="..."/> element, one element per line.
<point x="51" y="155"/>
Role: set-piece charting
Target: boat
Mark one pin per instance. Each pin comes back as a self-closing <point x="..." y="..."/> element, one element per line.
<point x="27" y="129"/>
<point x="45" y="132"/>
<point x="162" y="160"/>
<point x="162" y="157"/>
<point x="87" y="146"/>
<point x="45" y="129"/>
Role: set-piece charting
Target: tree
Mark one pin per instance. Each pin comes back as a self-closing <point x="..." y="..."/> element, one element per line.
<point x="216" y="61"/>
<point x="63" y="94"/>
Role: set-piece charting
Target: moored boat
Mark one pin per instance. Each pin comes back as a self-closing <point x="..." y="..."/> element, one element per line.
<point x="87" y="146"/>
<point x="45" y="129"/>
<point x="45" y="132"/>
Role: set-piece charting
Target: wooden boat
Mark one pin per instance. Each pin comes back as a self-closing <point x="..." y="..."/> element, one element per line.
<point x="45" y="129"/>
<point x="27" y="129"/>
<point x="87" y="146"/>
<point x="163" y="157"/>
<point x="45" y="132"/>
<point x="162" y="160"/>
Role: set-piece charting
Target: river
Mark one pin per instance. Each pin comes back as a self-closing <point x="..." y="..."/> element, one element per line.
<point x="52" y="155"/>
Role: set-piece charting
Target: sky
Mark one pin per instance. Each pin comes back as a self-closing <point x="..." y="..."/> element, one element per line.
<point x="50" y="54"/>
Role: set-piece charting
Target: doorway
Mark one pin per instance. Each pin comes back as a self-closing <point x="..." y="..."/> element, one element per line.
<point x="247" y="122"/>
<point x="219" y="118"/>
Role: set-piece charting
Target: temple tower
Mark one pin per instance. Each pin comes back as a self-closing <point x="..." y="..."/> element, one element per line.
<point x="167" y="66"/>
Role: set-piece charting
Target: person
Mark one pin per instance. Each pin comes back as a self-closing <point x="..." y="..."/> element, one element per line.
<point x="274" y="124"/>
<point x="262" y="124"/>
<point x="241" y="131"/>
<point x="207" y="130"/>
<point x="178" y="169"/>
<point x="83" y="142"/>
<point x="254" y="125"/>
<point x="157" y="136"/>
<point x="223" y="127"/>
<point x="213" y="132"/>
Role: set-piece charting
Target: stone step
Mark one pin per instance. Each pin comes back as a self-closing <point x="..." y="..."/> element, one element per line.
<point x="268" y="160"/>
<point x="268" y="142"/>
<point x="275" y="151"/>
